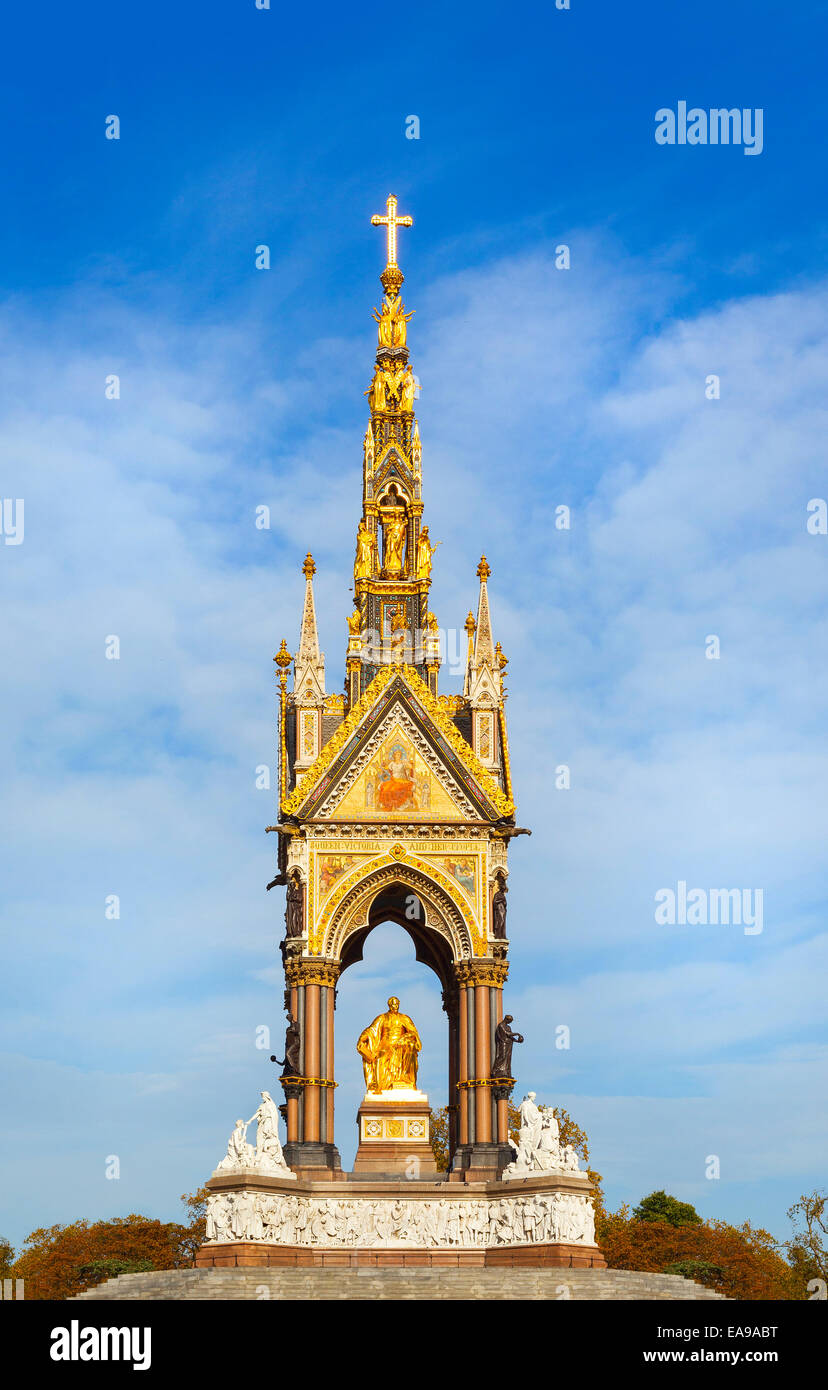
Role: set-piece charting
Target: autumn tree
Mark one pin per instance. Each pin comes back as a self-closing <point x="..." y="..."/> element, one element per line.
<point x="61" y="1261"/>
<point x="743" y="1262"/>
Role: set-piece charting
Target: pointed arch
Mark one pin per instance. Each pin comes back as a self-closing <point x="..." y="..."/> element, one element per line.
<point x="409" y="895"/>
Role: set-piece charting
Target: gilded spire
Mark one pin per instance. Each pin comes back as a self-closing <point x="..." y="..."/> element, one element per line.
<point x="393" y="553"/>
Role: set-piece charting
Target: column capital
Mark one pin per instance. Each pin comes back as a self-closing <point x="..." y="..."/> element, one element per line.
<point x="300" y="972"/>
<point x="470" y="973"/>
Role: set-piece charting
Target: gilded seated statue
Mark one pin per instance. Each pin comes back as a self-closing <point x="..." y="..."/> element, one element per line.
<point x="389" y="1050"/>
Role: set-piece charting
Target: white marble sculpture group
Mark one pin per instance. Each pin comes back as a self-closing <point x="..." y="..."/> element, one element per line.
<point x="266" y="1156"/>
<point x="538" y="1149"/>
<point x="285" y="1219"/>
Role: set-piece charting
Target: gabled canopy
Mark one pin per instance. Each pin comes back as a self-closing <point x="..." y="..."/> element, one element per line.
<point x="397" y="754"/>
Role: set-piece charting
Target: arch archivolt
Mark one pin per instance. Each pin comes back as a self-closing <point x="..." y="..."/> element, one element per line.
<point x="447" y="912"/>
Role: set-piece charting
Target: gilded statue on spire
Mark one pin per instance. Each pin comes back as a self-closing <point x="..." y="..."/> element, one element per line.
<point x="408" y="390"/>
<point x="366" y="552"/>
<point x="425" y="555"/>
<point x="394" y="531"/>
<point x="392" y="320"/>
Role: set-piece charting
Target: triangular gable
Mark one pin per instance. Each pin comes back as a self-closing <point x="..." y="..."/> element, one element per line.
<point x="392" y="464"/>
<point x="397" y="733"/>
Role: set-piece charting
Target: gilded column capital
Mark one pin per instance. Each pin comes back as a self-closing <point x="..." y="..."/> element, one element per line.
<point x="470" y="973"/>
<point x="311" y="972"/>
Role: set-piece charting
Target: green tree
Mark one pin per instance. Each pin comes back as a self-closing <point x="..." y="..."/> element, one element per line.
<point x="700" y="1271"/>
<point x="659" y="1206"/>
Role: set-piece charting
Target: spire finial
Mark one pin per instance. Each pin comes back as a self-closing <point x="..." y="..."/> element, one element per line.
<point x="391" y="221"/>
<point x="483" y="570"/>
<point x="392" y="277"/>
<point x="283" y="657"/>
<point x="309" y="568"/>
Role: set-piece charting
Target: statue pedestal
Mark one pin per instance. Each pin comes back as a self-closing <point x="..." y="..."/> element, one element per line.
<point x="394" y="1135"/>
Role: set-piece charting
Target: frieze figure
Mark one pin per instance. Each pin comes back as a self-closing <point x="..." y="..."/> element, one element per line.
<point x="284" y="1219"/>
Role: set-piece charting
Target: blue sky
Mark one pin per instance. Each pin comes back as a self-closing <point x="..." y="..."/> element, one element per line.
<point x="541" y="387"/>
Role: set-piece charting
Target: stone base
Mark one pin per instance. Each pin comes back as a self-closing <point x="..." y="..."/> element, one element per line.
<point x="480" y="1162"/>
<point x="357" y="1221"/>
<point x="253" y="1254"/>
<point x="394" y="1136"/>
<point x="317" y="1160"/>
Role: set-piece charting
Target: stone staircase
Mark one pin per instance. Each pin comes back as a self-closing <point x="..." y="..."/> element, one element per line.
<point x="312" y="1285"/>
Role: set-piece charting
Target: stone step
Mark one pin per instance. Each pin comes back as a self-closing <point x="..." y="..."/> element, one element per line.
<point x="311" y="1284"/>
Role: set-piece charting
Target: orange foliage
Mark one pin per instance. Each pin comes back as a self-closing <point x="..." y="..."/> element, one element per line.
<point x="59" y="1261"/>
<point x="749" y="1258"/>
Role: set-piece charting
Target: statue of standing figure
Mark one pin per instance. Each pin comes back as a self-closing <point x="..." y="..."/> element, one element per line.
<point x="407" y="390"/>
<point x="366" y="552"/>
<point x="392" y="320"/>
<point x="425" y="555"/>
<point x="505" y="1040"/>
<point x="269" y="1155"/>
<point x="293" y="1045"/>
<point x="499" y="906"/>
<point x="293" y="907"/>
<point x="394" y="530"/>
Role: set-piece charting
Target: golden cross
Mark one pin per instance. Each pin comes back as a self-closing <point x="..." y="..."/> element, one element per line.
<point x="392" y="222"/>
